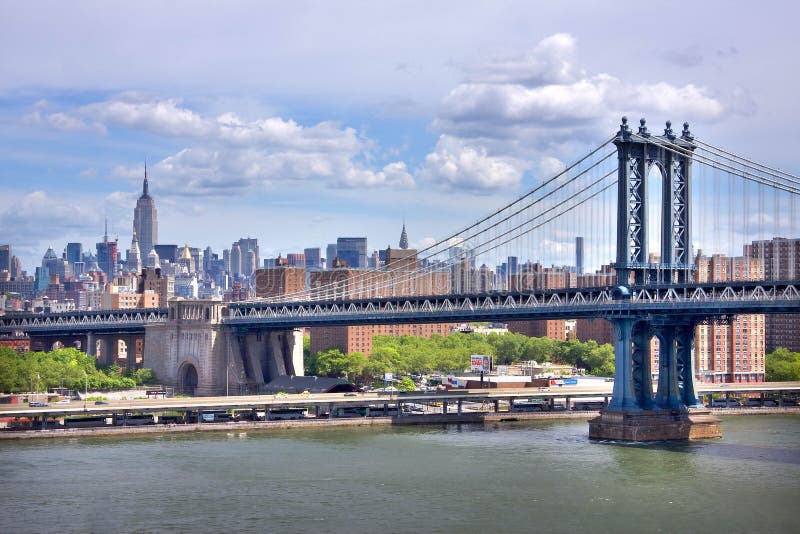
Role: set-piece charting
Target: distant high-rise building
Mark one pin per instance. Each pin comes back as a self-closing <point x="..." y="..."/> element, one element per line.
<point x="249" y="264"/>
<point x="313" y="258"/>
<point x="134" y="264"/>
<point x="352" y="250"/>
<point x="107" y="254"/>
<point x="330" y="252"/>
<point x="74" y="252"/>
<point x="280" y="280"/>
<point x="42" y="279"/>
<point x="579" y="255"/>
<point x="403" y="238"/>
<point x="5" y="258"/>
<point x="165" y="252"/>
<point x="729" y="351"/>
<point x="16" y="267"/>
<point x="236" y="259"/>
<point x="197" y="259"/>
<point x="781" y="259"/>
<point x="145" y="219"/>
<point x="294" y="259"/>
<point x="226" y="260"/>
<point x="245" y="245"/>
<point x="153" y="260"/>
<point x="56" y="265"/>
<point x="185" y="260"/>
<point x="208" y="257"/>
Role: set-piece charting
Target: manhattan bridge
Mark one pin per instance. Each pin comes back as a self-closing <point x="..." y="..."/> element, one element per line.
<point x="645" y="203"/>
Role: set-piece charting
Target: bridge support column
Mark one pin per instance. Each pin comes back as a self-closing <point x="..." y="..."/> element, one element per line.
<point x="667" y="396"/>
<point x="624" y="396"/>
<point x="686" y="363"/>
<point x="633" y="414"/>
<point x="91" y="344"/>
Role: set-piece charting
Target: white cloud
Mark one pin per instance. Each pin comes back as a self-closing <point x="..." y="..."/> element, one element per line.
<point x="230" y="154"/>
<point x="424" y="243"/>
<point x="69" y="123"/>
<point x="549" y="166"/>
<point x="538" y="102"/>
<point x="551" y="61"/>
<point x="34" y="215"/>
<point x="456" y="165"/>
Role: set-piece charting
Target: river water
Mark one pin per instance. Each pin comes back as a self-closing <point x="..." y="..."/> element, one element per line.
<point x="543" y="476"/>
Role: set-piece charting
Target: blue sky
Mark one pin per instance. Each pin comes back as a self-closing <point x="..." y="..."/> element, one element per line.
<point x="299" y="122"/>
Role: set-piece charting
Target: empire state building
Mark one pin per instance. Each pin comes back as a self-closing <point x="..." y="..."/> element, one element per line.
<point x="145" y="220"/>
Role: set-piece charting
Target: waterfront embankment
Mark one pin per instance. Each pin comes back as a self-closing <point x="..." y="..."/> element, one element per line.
<point x="321" y="423"/>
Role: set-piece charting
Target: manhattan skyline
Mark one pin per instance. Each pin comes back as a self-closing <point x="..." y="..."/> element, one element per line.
<point x="349" y="120"/>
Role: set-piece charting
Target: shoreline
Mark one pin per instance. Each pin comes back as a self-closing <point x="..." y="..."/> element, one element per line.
<point x="406" y="420"/>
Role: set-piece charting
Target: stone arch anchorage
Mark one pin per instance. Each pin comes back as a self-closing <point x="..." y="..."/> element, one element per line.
<point x="188" y="378"/>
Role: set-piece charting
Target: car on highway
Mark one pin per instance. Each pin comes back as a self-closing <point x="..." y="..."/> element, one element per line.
<point x="100" y="402"/>
<point x="351" y="394"/>
<point x="36" y="404"/>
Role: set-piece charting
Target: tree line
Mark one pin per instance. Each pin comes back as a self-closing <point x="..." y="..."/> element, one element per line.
<point x="68" y="368"/>
<point x="417" y="355"/>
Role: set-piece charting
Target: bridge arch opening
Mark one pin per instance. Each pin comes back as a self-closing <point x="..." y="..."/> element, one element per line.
<point x="187" y="379"/>
<point x="655" y="195"/>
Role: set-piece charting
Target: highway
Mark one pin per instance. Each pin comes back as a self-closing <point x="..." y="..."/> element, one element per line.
<point x="326" y="400"/>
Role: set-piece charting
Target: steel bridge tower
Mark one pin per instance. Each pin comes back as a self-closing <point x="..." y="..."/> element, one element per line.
<point x="634" y="413"/>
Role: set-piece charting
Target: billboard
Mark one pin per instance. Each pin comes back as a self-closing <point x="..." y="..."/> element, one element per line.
<point x="480" y="363"/>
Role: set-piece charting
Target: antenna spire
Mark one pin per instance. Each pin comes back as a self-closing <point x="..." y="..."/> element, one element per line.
<point x="144" y="186"/>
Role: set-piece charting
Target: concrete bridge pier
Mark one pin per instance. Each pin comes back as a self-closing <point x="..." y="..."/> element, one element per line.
<point x="633" y="414"/>
<point x="258" y="357"/>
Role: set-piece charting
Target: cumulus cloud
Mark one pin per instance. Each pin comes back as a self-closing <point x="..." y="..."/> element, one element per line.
<point x="460" y="166"/>
<point x="69" y="123"/>
<point x="35" y="215"/>
<point x="543" y="99"/>
<point x="549" y="166"/>
<point x="228" y="153"/>
<point x="551" y="61"/>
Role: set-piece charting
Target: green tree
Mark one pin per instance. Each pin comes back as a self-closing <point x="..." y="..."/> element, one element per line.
<point x="405" y="384"/>
<point x="782" y="365"/>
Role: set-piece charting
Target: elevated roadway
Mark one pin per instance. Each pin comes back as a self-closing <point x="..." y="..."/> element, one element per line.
<point x="326" y="400"/>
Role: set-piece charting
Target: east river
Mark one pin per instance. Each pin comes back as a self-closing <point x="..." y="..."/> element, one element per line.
<point x="543" y="476"/>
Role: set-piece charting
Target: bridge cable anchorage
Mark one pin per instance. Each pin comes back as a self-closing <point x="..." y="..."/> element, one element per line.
<point x="334" y="290"/>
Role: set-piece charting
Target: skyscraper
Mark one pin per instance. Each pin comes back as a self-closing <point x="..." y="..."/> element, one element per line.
<point x="404" y="238"/>
<point x="5" y="258"/>
<point x="145" y="220"/>
<point x="579" y="255"/>
<point x="248" y="263"/>
<point x="353" y="250"/>
<point x="107" y="255"/>
<point x="236" y="259"/>
<point x="134" y="264"/>
<point x="312" y="256"/>
<point x="74" y="252"/>
<point x="330" y="252"/>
